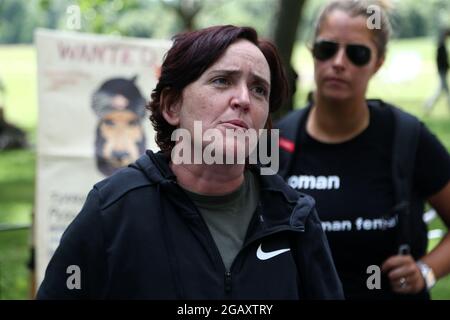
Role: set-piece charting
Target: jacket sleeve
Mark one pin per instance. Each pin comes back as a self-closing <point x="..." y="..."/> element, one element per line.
<point x="77" y="269"/>
<point x="318" y="276"/>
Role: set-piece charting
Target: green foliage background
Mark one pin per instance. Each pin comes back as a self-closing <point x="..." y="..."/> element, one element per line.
<point x="150" y="18"/>
<point x="17" y="168"/>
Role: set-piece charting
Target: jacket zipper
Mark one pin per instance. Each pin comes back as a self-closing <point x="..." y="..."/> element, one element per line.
<point x="250" y="240"/>
<point x="228" y="274"/>
<point x="228" y="284"/>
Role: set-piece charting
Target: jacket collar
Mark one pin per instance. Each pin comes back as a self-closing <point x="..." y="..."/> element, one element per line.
<point x="280" y="205"/>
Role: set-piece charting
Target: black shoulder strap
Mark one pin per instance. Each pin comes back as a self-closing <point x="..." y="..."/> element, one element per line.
<point x="289" y="129"/>
<point x="404" y="148"/>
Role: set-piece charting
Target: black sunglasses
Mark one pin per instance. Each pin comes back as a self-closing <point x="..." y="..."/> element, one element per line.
<point x="358" y="54"/>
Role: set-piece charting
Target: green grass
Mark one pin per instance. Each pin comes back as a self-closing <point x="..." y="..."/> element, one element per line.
<point x="16" y="185"/>
<point x="17" y="174"/>
<point x="17" y="168"/>
<point x="442" y="289"/>
<point x="14" y="274"/>
<point x="18" y="72"/>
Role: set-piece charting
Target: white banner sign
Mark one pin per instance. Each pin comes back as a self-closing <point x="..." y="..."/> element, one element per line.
<point x="92" y="120"/>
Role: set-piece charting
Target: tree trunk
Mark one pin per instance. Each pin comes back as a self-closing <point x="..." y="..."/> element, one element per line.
<point x="186" y="11"/>
<point x="285" y="31"/>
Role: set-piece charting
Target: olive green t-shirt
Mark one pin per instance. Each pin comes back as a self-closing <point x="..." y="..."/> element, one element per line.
<point x="228" y="216"/>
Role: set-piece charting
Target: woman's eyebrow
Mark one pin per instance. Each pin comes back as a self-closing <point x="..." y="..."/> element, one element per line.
<point x="235" y="72"/>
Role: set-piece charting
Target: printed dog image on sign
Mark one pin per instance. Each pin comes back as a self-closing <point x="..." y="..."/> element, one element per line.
<point x="120" y="138"/>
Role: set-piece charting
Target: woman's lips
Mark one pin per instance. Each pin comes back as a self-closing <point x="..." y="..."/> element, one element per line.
<point x="335" y="80"/>
<point x="239" y="124"/>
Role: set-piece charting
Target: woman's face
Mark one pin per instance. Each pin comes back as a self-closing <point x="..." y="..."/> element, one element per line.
<point x="231" y="95"/>
<point x="338" y="78"/>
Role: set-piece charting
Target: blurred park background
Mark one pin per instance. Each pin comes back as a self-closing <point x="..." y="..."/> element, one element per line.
<point x="407" y="79"/>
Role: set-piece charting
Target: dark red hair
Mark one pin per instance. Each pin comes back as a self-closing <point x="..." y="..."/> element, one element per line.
<point x="191" y="54"/>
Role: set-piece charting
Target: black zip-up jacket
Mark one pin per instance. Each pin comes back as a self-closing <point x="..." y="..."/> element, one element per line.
<point x="138" y="236"/>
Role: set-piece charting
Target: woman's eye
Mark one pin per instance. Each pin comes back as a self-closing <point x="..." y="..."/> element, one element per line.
<point x="220" y="81"/>
<point x="109" y="123"/>
<point x="261" y="91"/>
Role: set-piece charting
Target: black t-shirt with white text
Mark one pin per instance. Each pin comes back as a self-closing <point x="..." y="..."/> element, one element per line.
<point x="352" y="185"/>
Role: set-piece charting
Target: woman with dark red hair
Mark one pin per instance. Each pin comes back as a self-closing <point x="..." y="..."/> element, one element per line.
<point x="178" y="226"/>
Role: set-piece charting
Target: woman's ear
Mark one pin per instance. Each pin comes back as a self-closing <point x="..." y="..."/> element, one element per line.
<point x="170" y="106"/>
<point x="378" y="64"/>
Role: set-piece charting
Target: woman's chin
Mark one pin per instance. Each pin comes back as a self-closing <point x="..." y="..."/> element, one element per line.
<point x="336" y="95"/>
<point x="235" y="153"/>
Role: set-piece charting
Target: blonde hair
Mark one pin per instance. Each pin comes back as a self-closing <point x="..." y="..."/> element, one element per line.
<point x="355" y="8"/>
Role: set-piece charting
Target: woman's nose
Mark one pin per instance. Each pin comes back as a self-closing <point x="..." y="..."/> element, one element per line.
<point x="339" y="59"/>
<point x="241" y="97"/>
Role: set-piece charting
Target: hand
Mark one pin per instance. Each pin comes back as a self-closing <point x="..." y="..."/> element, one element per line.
<point x="403" y="273"/>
